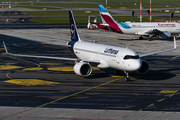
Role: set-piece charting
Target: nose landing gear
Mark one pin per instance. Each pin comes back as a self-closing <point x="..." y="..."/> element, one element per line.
<point x="127" y="76"/>
<point x="125" y="73"/>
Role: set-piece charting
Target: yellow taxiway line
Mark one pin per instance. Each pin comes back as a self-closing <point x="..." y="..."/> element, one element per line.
<point x="63" y="98"/>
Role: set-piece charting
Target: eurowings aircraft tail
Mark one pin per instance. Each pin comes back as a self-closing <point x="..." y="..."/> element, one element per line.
<point x="101" y="9"/>
<point x="108" y="19"/>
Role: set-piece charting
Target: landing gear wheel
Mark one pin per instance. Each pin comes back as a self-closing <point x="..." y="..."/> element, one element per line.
<point x="141" y="38"/>
<point x="127" y="79"/>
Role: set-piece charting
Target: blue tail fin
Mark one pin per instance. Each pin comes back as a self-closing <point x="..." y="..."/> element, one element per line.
<point x="73" y="29"/>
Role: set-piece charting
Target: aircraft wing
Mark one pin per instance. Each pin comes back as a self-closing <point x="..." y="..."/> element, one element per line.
<point x="49" y="57"/>
<point x="154" y="31"/>
<point x="153" y="53"/>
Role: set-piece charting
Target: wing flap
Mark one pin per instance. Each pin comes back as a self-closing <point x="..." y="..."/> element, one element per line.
<point x="57" y="44"/>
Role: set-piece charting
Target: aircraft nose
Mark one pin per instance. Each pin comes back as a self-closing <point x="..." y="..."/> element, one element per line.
<point x="136" y="65"/>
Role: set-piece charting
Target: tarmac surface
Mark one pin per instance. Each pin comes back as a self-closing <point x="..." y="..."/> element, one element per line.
<point x="43" y="89"/>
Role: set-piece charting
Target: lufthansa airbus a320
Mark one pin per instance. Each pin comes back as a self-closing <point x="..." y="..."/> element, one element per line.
<point x="105" y="56"/>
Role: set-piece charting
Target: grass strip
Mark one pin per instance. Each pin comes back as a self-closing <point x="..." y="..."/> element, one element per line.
<point x="85" y="19"/>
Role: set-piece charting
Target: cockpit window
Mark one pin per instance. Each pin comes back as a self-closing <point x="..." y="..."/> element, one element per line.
<point x="131" y="57"/>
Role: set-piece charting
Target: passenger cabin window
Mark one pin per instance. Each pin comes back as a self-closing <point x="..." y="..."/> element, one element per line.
<point x="127" y="57"/>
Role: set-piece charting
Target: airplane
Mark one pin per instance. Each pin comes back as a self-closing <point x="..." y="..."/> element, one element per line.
<point x="105" y="56"/>
<point x="163" y="30"/>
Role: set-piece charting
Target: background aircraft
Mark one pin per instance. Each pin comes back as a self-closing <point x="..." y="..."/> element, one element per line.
<point x="105" y="56"/>
<point x="149" y="29"/>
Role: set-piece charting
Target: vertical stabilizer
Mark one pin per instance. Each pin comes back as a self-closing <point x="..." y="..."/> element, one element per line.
<point x="105" y="16"/>
<point x="101" y="9"/>
<point x="73" y="29"/>
<point x="108" y="19"/>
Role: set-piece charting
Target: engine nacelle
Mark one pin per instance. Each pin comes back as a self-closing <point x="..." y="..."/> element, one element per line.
<point x="164" y="35"/>
<point x="83" y="69"/>
<point x="144" y="68"/>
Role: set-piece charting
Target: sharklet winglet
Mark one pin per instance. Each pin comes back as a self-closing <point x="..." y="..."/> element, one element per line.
<point x="5" y="47"/>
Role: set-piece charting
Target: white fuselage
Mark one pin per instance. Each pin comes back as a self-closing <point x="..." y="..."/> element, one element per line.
<point x="160" y="29"/>
<point x="144" y="27"/>
<point x="109" y="56"/>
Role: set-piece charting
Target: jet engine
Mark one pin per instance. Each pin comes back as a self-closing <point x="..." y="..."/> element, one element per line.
<point x="164" y="35"/>
<point x="144" y="68"/>
<point x="83" y="69"/>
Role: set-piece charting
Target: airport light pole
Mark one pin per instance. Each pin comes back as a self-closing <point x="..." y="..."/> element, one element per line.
<point x="9" y="3"/>
<point x="140" y="10"/>
<point x="106" y="4"/>
<point x="150" y="12"/>
<point x="132" y="16"/>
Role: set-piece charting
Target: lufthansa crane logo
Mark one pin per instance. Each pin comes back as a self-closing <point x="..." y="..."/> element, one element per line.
<point x="72" y="32"/>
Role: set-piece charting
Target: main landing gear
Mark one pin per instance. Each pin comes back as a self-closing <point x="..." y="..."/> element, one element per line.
<point x="125" y="73"/>
<point x="141" y="38"/>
